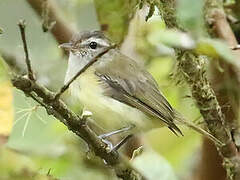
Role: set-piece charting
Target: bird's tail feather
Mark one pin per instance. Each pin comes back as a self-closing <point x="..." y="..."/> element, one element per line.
<point x="179" y="119"/>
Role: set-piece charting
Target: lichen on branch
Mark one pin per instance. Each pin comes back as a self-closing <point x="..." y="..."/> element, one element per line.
<point x="193" y="70"/>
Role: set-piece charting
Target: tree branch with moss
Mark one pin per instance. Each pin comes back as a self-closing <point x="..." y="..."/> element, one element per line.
<point x="192" y="67"/>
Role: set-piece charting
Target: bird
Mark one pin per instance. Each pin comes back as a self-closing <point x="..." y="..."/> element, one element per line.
<point x="116" y="89"/>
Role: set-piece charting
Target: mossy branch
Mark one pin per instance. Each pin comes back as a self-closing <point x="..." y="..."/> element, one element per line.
<point x="192" y="67"/>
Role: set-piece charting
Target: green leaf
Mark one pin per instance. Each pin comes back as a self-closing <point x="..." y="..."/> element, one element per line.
<point x="215" y="48"/>
<point x="114" y="17"/>
<point x="153" y="166"/>
<point x="190" y="15"/>
<point x="172" y="38"/>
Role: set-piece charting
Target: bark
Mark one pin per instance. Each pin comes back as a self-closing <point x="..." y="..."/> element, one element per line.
<point x="193" y="70"/>
<point x="210" y="166"/>
<point x="55" y="106"/>
<point x="76" y="124"/>
<point x="225" y="84"/>
<point x="62" y="31"/>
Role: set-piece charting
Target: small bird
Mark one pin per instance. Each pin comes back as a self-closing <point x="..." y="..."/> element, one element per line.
<point x="118" y="90"/>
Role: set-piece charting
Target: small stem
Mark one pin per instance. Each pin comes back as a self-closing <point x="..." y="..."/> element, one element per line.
<point x="22" y="26"/>
<point x="66" y="86"/>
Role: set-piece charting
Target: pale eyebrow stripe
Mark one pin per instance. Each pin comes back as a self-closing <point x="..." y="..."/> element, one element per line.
<point x="100" y="42"/>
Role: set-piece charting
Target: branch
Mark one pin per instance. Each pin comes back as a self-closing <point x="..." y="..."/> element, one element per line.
<point x="191" y="67"/>
<point x="22" y="26"/>
<point x="57" y="108"/>
<point x="77" y="125"/>
<point x="216" y="18"/>
<point x="226" y="84"/>
<point x="61" y="30"/>
<point x="219" y="27"/>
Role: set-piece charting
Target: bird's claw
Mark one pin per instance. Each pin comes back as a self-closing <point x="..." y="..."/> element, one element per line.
<point x="109" y="147"/>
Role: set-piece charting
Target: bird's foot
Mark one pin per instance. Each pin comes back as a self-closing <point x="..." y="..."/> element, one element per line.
<point x="110" y="146"/>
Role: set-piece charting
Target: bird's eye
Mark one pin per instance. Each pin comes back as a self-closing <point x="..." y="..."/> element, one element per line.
<point x="93" y="45"/>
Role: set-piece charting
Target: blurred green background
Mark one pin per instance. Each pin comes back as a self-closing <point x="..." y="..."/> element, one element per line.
<point x="39" y="144"/>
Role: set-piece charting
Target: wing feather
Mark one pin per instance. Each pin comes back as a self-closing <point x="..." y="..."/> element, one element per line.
<point x="136" y="87"/>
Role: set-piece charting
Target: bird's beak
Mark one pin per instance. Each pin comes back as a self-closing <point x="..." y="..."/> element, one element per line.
<point x="66" y="46"/>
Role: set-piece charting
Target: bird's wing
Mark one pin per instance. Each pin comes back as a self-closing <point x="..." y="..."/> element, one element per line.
<point x="126" y="81"/>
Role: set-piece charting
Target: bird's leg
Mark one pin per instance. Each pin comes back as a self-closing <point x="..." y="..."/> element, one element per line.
<point x="118" y="145"/>
<point x="110" y="146"/>
<point x="122" y="142"/>
<point x="86" y="114"/>
<point x="103" y="136"/>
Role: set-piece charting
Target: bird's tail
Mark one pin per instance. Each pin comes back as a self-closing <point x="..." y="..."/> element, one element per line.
<point x="179" y="119"/>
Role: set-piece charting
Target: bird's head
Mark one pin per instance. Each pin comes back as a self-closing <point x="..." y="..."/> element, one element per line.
<point x="87" y="44"/>
<point x="82" y="48"/>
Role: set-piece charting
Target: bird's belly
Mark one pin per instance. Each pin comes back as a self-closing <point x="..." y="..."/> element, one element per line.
<point x="109" y="113"/>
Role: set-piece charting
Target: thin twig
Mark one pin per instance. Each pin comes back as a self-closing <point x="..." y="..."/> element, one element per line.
<point x="22" y="26"/>
<point x="66" y="86"/>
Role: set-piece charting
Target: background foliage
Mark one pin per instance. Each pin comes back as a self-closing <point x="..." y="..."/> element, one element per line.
<point x="39" y="147"/>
